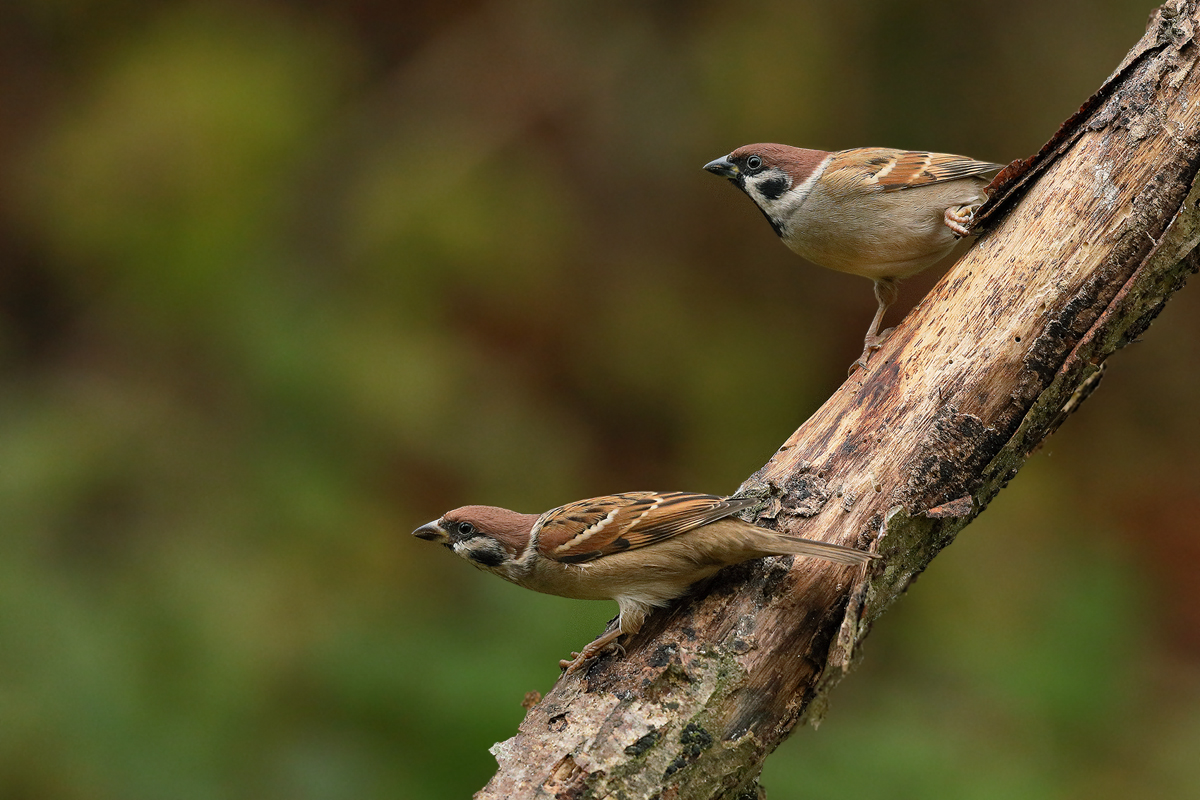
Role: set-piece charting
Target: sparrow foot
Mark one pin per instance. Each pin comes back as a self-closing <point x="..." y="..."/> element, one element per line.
<point x="606" y="642"/>
<point x="959" y="220"/>
<point x="870" y="345"/>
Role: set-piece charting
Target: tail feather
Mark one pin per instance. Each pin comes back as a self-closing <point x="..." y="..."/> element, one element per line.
<point x="781" y="544"/>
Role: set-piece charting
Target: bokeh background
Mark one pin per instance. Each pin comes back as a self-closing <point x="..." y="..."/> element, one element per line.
<point x="280" y="281"/>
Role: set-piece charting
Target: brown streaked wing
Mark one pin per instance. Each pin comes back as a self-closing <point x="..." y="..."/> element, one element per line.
<point x="918" y="168"/>
<point x="600" y="526"/>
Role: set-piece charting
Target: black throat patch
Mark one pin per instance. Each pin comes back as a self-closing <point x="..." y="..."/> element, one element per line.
<point x="775" y="226"/>
<point x="740" y="182"/>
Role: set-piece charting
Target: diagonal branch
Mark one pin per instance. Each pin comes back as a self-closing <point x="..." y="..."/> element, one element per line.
<point x="1085" y="243"/>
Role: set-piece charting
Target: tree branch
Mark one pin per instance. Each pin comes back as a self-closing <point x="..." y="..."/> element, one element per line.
<point x="1086" y="242"/>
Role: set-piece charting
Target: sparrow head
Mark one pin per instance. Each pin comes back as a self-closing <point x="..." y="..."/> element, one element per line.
<point x="487" y="536"/>
<point x="776" y="177"/>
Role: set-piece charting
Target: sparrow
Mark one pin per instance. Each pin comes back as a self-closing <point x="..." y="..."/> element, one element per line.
<point x="873" y="211"/>
<point x="642" y="549"/>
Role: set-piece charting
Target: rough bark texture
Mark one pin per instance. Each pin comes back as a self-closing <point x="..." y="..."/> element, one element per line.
<point x="1085" y="242"/>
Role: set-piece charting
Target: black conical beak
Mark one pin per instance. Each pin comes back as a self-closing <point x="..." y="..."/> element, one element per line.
<point x="432" y="532"/>
<point x="723" y="167"/>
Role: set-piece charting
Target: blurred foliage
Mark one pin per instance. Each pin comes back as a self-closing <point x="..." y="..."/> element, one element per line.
<point x="280" y="281"/>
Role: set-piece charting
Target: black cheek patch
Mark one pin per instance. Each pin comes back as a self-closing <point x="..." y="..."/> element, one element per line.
<point x="488" y="556"/>
<point x="773" y="189"/>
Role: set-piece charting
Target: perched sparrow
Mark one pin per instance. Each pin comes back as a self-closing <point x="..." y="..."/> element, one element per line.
<point x="641" y="549"/>
<point x="872" y="211"/>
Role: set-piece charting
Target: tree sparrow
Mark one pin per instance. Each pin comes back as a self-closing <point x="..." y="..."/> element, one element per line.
<point x="847" y="211"/>
<point x="642" y="549"/>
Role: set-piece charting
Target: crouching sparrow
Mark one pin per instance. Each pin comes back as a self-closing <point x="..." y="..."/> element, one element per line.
<point x="642" y="549"/>
<point x="872" y="211"/>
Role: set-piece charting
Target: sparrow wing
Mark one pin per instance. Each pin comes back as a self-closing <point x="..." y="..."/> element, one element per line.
<point x="910" y="169"/>
<point x="600" y="526"/>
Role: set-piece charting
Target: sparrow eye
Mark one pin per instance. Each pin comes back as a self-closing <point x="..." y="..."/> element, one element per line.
<point x="753" y="162"/>
<point x="465" y="529"/>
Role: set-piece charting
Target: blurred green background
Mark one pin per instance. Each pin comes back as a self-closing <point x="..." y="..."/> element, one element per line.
<point x="280" y="281"/>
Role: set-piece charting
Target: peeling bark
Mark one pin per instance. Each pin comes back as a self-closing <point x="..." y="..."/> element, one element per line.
<point x="1084" y="244"/>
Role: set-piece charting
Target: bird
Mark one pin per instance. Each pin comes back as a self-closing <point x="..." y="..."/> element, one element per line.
<point x="641" y="549"/>
<point x="878" y="212"/>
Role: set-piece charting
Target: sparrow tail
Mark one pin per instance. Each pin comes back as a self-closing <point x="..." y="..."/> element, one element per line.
<point x="780" y="544"/>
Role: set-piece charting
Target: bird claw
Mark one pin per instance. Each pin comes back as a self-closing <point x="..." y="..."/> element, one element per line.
<point x="959" y="220"/>
<point x="577" y="660"/>
<point x="870" y="345"/>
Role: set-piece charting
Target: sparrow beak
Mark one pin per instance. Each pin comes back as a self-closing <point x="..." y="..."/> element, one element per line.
<point x="432" y="532"/>
<point x="723" y="167"/>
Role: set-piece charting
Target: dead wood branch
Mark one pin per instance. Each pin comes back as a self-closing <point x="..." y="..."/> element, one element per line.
<point x="1085" y="243"/>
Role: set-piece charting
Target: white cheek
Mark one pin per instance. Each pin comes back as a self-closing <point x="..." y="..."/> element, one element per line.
<point x="791" y="199"/>
<point x="787" y="204"/>
<point x="777" y="208"/>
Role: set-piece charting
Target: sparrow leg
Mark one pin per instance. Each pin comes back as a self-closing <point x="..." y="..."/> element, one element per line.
<point x="592" y="650"/>
<point x="959" y="219"/>
<point x="886" y="292"/>
<point x="630" y="620"/>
